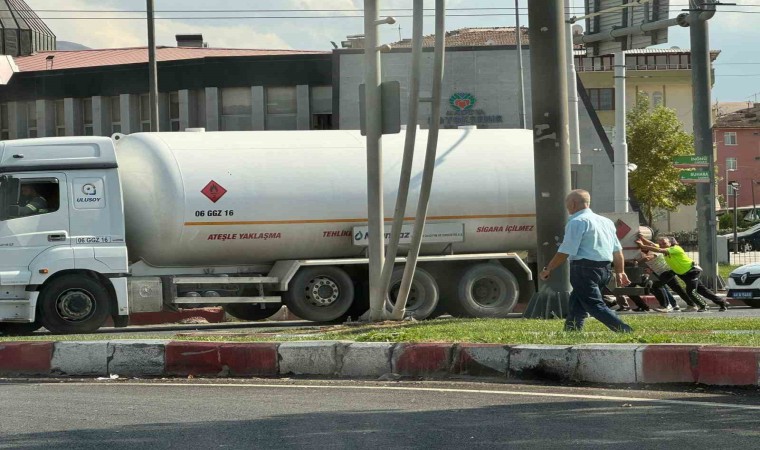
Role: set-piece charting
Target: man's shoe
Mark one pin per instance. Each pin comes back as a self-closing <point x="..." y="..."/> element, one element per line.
<point x="692" y="309"/>
<point x="676" y="308"/>
<point x="723" y="306"/>
<point x="623" y="308"/>
<point x="662" y="310"/>
<point x="703" y="309"/>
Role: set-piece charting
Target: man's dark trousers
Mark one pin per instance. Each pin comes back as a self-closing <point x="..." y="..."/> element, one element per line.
<point x="587" y="278"/>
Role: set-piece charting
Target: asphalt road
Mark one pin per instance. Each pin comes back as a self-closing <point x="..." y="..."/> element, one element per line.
<point x="337" y="415"/>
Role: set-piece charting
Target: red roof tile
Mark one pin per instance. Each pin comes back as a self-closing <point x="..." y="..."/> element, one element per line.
<point x="473" y="37"/>
<point x="138" y="55"/>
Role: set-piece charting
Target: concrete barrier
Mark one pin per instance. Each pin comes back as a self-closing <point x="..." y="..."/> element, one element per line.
<point x="543" y="362"/>
<point x="666" y="364"/>
<point x="607" y="363"/>
<point x="366" y="359"/>
<point x="80" y="358"/>
<point x="422" y="360"/>
<point x="137" y="358"/>
<point x="309" y="358"/>
<point x="728" y="366"/>
<point x="490" y="360"/>
<point x="250" y="360"/>
<point x="25" y="358"/>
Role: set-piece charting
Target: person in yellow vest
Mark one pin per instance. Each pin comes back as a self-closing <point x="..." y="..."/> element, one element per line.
<point x="685" y="268"/>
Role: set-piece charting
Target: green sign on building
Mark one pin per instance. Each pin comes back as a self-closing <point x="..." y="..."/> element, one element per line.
<point x="695" y="176"/>
<point x="691" y="161"/>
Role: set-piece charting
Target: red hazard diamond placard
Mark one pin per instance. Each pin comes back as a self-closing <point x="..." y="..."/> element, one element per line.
<point x="622" y="229"/>
<point x="214" y="191"/>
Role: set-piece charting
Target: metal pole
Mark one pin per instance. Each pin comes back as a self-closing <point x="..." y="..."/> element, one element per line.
<point x="572" y="90"/>
<point x="736" y="219"/>
<point x="411" y="136"/>
<point x="754" y="205"/>
<point x="373" y="114"/>
<point x="701" y="86"/>
<point x="520" y="72"/>
<point x="429" y="167"/>
<point x="621" y="146"/>
<point x="152" y="67"/>
<point x="551" y="151"/>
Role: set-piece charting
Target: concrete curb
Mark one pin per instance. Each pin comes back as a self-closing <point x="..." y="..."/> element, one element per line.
<point x="598" y="363"/>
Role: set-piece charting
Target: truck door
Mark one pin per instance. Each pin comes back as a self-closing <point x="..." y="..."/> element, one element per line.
<point x="34" y="217"/>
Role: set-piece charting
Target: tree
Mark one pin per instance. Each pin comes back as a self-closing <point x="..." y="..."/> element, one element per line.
<point x="654" y="137"/>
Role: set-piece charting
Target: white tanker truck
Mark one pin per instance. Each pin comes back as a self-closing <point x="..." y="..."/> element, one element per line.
<point x="251" y="220"/>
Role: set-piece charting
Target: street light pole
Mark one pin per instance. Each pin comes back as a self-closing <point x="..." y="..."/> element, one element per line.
<point x="152" y="68"/>
<point x="736" y="219"/>
<point x="754" y="206"/>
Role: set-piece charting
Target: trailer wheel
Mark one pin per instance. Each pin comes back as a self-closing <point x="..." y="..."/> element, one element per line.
<point x="486" y="290"/>
<point x="73" y="304"/>
<point x="423" y="294"/>
<point x="19" y="329"/>
<point x="320" y="294"/>
<point x="252" y="311"/>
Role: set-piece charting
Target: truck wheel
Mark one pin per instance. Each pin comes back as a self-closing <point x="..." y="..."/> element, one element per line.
<point x="320" y="294"/>
<point x="486" y="290"/>
<point x="252" y="311"/>
<point x="73" y="304"/>
<point x="18" y="329"/>
<point x="423" y="294"/>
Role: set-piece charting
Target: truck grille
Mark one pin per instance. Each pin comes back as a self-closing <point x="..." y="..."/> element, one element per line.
<point x="744" y="279"/>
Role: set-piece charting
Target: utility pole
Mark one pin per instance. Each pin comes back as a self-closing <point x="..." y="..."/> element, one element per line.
<point x="551" y="150"/>
<point x="572" y="90"/>
<point x="373" y="114"/>
<point x="152" y="67"/>
<point x="703" y="145"/>
<point x="620" y="165"/>
<point x="520" y="72"/>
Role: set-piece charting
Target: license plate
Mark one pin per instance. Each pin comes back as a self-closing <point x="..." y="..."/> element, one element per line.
<point x="741" y="294"/>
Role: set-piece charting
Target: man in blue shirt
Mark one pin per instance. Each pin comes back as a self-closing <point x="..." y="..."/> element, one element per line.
<point x="592" y="246"/>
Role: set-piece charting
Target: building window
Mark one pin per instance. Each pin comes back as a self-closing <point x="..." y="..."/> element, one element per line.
<point x="4" y="125"/>
<point x="145" y="113"/>
<point x="282" y="105"/>
<point x="115" y="114"/>
<point x="89" y="129"/>
<point x="174" y="111"/>
<point x="237" y="109"/>
<point x="657" y="99"/>
<point x="60" y="118"/>
<point x="602" y="99"/>
<point x="31" y="119"/>
<point x="320" y="102"/>
<point x="729" y="138"/>
<point x="730" y="163"/>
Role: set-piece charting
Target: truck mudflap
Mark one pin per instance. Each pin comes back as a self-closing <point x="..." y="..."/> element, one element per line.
<point x="122" y="295"/>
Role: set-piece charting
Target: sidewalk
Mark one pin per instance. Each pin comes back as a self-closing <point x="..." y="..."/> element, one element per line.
<point x="596" y="363"/>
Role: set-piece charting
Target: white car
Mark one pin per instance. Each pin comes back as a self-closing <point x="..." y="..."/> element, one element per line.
<point x="744" y="284"/>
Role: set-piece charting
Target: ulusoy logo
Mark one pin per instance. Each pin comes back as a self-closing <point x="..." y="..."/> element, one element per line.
<point x="89" y="189"/>
<point x="462" y="101"/>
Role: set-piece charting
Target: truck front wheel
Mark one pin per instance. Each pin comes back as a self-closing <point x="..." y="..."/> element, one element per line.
<point x="320" y="294"/>
<point x="73" y="304"/>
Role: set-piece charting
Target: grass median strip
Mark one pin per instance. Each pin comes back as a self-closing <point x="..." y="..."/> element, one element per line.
<point x="649" y="329"/>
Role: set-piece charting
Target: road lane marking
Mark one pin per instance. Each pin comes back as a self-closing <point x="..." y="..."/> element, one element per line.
<point x="436" y="390"/>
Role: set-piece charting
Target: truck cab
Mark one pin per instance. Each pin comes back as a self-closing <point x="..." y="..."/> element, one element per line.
<point x="63" y="257"/>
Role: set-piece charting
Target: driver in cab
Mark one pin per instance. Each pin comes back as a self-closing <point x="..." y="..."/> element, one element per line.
<point x="31" y="203"/>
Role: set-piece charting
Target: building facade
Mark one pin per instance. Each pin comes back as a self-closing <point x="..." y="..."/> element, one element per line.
<point x="480" y="87"/>
<point x="737" y="139"/>
<point x="101" y="92"/>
